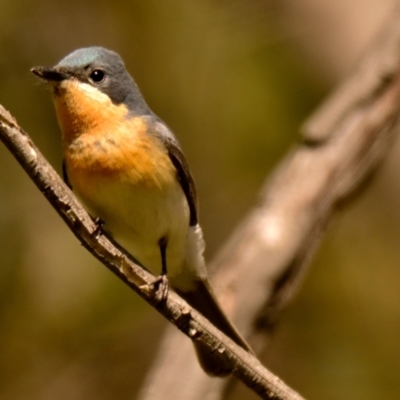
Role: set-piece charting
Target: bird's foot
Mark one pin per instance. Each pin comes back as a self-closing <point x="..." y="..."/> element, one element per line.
<point x="161" y="288"/>
<point x="99" y="223"/>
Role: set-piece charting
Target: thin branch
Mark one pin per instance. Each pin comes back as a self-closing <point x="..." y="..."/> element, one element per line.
<point x="262" y="264"/>
<point x="244" y="366"/>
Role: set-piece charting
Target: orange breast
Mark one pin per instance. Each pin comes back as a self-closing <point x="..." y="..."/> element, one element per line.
<point x="124" y="152"/>
<point x="102" y="142"/>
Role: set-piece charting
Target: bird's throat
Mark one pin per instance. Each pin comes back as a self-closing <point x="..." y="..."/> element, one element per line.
<point x="81" y="108"/>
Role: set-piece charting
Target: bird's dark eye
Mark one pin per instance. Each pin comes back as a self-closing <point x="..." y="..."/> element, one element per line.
<point x="97" y="76"/>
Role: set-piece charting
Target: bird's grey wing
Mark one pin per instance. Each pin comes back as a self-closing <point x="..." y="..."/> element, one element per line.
<point x="201" y="296"/>
<point x="179" y="161"/>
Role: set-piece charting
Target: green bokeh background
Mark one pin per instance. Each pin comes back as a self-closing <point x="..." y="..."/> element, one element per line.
<point x="234" y="80"/>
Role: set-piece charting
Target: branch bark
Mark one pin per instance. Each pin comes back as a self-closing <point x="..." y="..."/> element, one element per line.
<point x="262" y="264"/>
<point x="244" y="366"/>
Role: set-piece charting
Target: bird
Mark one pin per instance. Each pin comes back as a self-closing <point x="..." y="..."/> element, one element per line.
<point x="128" y="170"/>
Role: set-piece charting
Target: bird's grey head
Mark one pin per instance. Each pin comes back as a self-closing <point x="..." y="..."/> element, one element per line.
<point x="103" y="69"/>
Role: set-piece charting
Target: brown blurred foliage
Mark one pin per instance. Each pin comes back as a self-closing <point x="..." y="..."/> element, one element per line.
<point x="233" y="79"/>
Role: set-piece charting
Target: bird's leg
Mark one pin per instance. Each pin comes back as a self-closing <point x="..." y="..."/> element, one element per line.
<point x="161" y="283"/>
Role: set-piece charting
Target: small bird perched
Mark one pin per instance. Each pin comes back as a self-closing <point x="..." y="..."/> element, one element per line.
<point x="128" y="170"/>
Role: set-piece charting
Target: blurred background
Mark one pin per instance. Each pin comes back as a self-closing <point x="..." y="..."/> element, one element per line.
<point x="234" y="80"/>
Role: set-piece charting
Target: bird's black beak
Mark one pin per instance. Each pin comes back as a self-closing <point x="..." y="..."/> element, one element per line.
<point x="50" y="74"/>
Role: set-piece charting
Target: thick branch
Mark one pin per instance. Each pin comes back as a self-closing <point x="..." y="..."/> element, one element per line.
<point x="262" y="264"/>
<point x="190" y="322"/>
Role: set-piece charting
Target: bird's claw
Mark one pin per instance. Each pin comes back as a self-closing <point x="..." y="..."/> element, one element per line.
<point x="161" y="288"/>
<point x="99" y="223"/>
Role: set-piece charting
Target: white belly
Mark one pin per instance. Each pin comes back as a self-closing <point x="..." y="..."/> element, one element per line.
<point x="138" y="217"/>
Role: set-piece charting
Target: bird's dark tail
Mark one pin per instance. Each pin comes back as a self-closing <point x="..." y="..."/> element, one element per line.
<point x="202" y="298"/>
